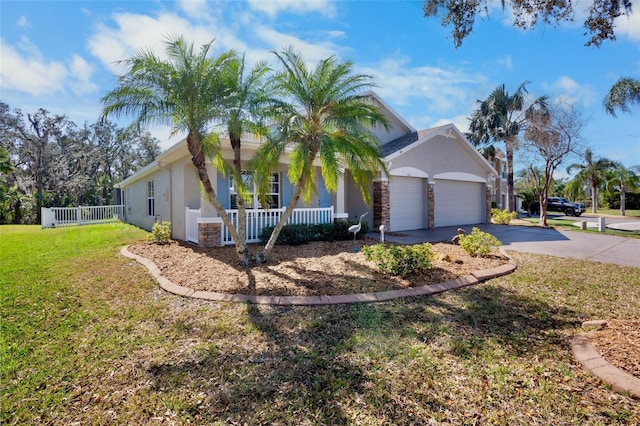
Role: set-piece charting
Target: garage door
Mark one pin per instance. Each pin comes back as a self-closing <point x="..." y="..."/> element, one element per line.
<point x="458" y="203"/>
<point x="407" y="203"/>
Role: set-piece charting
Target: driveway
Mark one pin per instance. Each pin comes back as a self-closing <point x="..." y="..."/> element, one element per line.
<point x="533" y="239"/>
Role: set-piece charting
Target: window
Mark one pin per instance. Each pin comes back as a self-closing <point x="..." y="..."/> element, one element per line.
<point x="151" y="200"/>
<point x="273" y="197"/>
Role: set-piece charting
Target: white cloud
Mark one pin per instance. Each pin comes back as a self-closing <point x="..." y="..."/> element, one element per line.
<point x="194" y="8"/>
<point x="81" y="72"/>
<point x="28" y="72"/>
<point x="134" y="32"/>
<point x="567" y="90"/>
<point x="22" y="22"/>
<point x="442" y="90"/>
<point x="312" y="52"/>
<point x="629" y="26"/>
<point x="506" y="63"/>
<point x="272" y="8"/>
<point x="461" y="122"/>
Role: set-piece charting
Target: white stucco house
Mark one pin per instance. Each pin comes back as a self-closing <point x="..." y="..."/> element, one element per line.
<point x="437" y="179"/>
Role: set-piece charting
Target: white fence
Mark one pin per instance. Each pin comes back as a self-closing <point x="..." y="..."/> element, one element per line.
<point x="191" y="223"/>
<point x="258" y="219"/>
<point x="53" y="217"/>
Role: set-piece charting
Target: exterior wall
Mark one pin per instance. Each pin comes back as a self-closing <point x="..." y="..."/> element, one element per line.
<point x="395" y="130"/>
<point x="441" y="155"/>
<point x="381" y="206"/>
<point x="136" y="200"/>
<point x="355" y="205"/>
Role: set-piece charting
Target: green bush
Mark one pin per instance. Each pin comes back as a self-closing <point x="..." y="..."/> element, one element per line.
<point x="502" y="217"/>
<point x="161" y="232"/>
<point x="400" y="260"/>
<point x="295" y="235"/>
<point x="478" y="243"/>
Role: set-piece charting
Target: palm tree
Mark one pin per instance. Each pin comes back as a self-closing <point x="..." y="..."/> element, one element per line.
<point x="624" y="92"/>
<point x="191" y="92"/>
<point x="501" y="117"/>
<point x="623" y="179"/>
<point x="325" y="117"/>
<point x="592" y="173"/>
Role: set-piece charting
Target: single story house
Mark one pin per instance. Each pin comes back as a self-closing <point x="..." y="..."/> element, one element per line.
<point x="437" y="179"/>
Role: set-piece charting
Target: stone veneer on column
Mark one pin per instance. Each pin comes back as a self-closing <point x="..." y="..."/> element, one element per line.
<point x="431" y="205"/>
<point x="209" y="232"/>
<point x="381" y="209"/>
<point x="488" y="204"/>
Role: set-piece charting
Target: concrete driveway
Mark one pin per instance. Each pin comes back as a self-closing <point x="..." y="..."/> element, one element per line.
<point x="533" y="239"/>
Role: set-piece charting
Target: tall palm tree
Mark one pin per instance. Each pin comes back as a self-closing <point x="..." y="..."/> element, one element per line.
<point x="501" y="117"/>
<point x="592" y="172"/>
<point x="624" y="92"/>
<point x="323" y="116"/>
<point x="624" y="180"/>
<point x="190" y="91"/>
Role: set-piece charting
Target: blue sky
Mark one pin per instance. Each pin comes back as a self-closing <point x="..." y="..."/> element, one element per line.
<point x="60" y="55"/>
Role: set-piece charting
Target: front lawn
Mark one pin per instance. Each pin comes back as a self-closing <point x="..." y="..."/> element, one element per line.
<point x="88" y="338"/>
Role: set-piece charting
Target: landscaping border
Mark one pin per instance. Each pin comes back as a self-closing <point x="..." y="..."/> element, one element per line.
<point x="591" y="360"/>
<point x="380" y="296"/>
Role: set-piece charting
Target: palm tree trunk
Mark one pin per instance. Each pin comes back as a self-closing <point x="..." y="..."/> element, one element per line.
<point x="511" y="202"/>
<point x="241" y="244"/>
<point x="594" y="196"/>
<point x="198" y="159"/>
<point x="285" y="216"/>
<point x="623" y="199"/>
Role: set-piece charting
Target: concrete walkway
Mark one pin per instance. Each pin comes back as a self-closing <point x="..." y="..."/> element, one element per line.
<point x="534" y="239"/>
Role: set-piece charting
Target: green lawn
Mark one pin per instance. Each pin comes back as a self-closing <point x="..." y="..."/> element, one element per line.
<point x="88" y="338"/>
<point x="627" y="213"/>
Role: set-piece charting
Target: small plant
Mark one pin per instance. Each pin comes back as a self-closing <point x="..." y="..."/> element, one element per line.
<point x="161" y="232"/>
<point x="400" y="260"/>
<point x="478" y="243"/>
<point x="502" y="217"/>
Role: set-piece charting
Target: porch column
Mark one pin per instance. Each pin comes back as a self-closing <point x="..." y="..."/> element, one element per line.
<point x="209" y="232"/>
<point x="340" y="195"/>
<point x="381" y="207"/>
<point x="431" y="201"/>
<point x="488" y="204"/>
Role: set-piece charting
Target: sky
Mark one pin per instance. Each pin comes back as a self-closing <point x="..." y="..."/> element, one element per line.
<point x="63" y="56"/>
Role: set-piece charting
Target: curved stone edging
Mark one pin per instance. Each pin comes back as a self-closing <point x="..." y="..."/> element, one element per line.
<point x="380" y="296"/>
<point x="619" y="380"/>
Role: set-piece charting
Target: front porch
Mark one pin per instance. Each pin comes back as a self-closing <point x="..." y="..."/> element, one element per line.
<point x="211" y="231"/>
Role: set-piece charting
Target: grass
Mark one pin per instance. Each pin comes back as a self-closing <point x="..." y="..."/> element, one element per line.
<point x="616" y="212"/>
<point x="88" y="338"/>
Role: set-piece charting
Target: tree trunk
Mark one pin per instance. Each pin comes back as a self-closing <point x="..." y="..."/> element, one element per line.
<point x="594" y="196"/>
<point x="285" y="216"/>
<point x="241" y="245"/>
<point x="198" y="159"/>
<point x="511" y="204"/>
<point x="623" y="199"/>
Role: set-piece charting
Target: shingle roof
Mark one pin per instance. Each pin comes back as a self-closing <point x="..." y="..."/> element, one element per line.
<point x="406" y="140"/>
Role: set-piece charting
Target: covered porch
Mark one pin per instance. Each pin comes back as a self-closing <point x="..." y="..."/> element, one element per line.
<point x="211" y="231"/>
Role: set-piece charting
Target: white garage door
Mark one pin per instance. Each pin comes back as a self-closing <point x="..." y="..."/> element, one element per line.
<point x="407" y="203"/>
<point x="458" y="203"/>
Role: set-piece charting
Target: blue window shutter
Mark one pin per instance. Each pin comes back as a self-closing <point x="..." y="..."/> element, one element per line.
<point x="323" y="195"/>
<point x="223" y="190"/>
<point x="287" y="189"/>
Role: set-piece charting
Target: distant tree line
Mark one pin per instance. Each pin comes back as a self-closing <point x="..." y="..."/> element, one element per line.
<point x="47" y="160"/>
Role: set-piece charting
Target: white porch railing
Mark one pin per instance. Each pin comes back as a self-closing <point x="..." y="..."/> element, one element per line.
<point x="52" y="217"/>
<point x="258" y="219"/>
<point x="191" y="222"/>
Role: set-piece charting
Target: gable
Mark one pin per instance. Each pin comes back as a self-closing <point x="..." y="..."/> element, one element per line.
<point x="437" y="151"/>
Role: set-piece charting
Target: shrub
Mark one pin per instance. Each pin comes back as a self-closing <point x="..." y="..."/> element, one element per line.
<point x="295" y="235"/>
<point x="502" y="217"/>
<point x="161" y="232"/>
<point x="478" y="243"/>
<point x="400" y="260"/>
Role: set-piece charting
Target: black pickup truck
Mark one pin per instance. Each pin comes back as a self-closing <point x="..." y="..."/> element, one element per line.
<point x="558" y="204"/>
